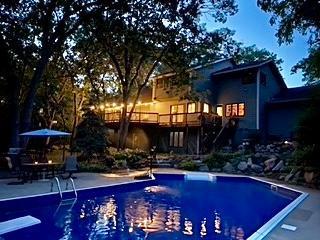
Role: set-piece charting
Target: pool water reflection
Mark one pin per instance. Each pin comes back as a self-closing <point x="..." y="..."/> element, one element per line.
<point x="170" y="209"/>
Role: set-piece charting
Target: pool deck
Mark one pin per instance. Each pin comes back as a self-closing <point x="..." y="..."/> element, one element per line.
<point x="306" y="217"/>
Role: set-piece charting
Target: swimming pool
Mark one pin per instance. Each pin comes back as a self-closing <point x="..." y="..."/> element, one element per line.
<point x="167" y="207"/>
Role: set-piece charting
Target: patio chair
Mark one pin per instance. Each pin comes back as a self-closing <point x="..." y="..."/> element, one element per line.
<point x="70" y="166"/>
<point x="14" y="171"/>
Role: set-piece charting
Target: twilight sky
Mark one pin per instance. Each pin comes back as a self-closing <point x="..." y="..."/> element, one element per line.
<point x="252" y="27"/>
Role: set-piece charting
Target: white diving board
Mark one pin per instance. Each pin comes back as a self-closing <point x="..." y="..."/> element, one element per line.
<point x="18" y="223"/>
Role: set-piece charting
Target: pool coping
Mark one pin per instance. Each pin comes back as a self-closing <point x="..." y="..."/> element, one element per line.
<point x="259" y="234"/>
<point x="79" y="189"/>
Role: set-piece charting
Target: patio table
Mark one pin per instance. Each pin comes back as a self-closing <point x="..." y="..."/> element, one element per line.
<point x="35" y="168"/>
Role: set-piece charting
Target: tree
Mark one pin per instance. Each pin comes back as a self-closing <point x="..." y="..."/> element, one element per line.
<point x="138" y="35"/>
<point x="91" y="137"/>
<point x="32" y="33"/>
<point x="253" y="53"/>
<point x="302" y="16"/>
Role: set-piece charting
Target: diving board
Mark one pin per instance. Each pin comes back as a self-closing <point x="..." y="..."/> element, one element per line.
<point x="18" y="223"/>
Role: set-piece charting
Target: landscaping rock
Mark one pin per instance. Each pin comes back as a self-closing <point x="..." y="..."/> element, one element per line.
<point x="228" y="168"/>
<point x="256" y="168"/>
<point x="249" y="162"/>
<point x="242" y="166"/>
<point x="270" y="163"/>
<point x="203" y="168"/>
<point x="278" y="167"/>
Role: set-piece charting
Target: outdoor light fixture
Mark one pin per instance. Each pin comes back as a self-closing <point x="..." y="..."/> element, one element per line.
<point x="49" y="161"/>
<point x="92" y="107"/>
<point x="114" y="104"/>
<point x="101" y="106"/>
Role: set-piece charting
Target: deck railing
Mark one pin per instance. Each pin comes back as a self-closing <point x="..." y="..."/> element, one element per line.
<point x="174" y="119"/>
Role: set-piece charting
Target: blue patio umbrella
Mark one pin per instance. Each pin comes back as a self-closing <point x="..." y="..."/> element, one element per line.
<point x="46" y="133"/>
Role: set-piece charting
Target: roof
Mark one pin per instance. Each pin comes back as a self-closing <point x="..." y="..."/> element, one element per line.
<point x="241" y="67"/>
<point x="170" y="73"/>
<point x="303" y="93"/>
<point x="252" y="65"/>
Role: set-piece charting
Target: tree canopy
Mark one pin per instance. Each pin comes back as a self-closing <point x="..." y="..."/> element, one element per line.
<point x="301" y="16"/>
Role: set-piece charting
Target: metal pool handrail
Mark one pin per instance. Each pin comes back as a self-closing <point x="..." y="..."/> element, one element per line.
<point x="58" y="185"/>
<point x="73" y="186"/>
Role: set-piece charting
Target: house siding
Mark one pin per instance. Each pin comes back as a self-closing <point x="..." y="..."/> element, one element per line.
<point x="267" y="92"/>
<point x="231" y="90"/>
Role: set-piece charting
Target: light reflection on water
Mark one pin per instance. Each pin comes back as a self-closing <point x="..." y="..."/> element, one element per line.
<point x="144" y="215"/>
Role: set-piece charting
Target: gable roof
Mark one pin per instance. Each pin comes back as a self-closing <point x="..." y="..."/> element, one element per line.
<point x="252" y="65"/>
<point x="170" y="73"/>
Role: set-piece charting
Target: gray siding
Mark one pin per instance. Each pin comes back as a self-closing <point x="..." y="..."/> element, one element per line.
<point x="267" y="92"/>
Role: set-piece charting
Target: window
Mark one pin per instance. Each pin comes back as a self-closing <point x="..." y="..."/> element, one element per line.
<point x="160" y="83"/>
<point x="206" y="108"/>
<point x="191" y="107"/>
<point x="235" y="109"/>
<point x="248" y="77"/>
<point x="263" y="79"/>
<point x="176" y="139"/>
<point x="220" y="110"/>
<point x="177" y="113"/>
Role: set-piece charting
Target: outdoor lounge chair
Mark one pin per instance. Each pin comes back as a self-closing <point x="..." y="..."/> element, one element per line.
<point x="70" y="166"/>
<point x="15" y="171"/>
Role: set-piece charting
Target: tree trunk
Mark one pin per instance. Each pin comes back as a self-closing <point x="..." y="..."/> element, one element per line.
<point x="121" y="137"/>
<point x="75" y="119"/>
<point x="36" y="79"/>
<point x="7" y="69"/>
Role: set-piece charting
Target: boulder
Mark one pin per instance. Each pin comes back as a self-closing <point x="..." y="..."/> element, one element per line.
<point x="242" y="166"/>
<point x="257" y="168"/>
<point x="270" y="163"/>
<point x="249" y="162"/>
<point x="228" y="168"/>
<point x="278" y="167"/>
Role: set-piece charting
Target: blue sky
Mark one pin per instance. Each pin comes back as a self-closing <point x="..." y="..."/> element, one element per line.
<point x="252" y="27"/>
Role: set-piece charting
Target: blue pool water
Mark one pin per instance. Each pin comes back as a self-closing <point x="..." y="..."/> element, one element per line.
<point x="168" y="208"/>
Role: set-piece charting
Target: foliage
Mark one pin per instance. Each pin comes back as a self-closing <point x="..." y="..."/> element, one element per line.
<point x="188" y="165"/>
<point x="218" y="160"/>
<point x="91" y="138"/>
<point x="94" y="166"/>
<point x="302" y="16"/>
<point x="134" y="158"/>
<point x="253" y="53"/>
<point x="308" y="129"/>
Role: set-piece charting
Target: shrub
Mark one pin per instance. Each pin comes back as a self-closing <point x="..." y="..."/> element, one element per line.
<point x="133" y="158"/>
<point x="307" y="157"/>
<point x="188" y="165"/>
<point x="91" y="138"/>
<point x="93" y="166"/>
<point x="218" y="160"/>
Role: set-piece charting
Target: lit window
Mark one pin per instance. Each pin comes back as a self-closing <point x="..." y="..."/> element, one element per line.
<point x="177" y="113"/>
<point x="241" y="109"/>
<point x="206" y="108"/>
<point x="235" y="109"/>
<point x="228" y="110"/>
<point x="191" y="107"/>
<point x="220" y="110"/>
<point x="176" y="139"/>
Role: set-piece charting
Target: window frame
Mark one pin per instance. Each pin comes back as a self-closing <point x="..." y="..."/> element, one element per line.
<point x="176" y="139"/>
<point x="228" y="113"/>
<point x="208" y="107"/>
<point x="195" y="107"/>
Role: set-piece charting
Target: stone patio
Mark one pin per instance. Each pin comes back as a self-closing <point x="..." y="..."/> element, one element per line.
<point x="306" y="217"/>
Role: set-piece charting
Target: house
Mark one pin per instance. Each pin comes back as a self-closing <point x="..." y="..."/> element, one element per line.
<point x="223" y="103"/>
